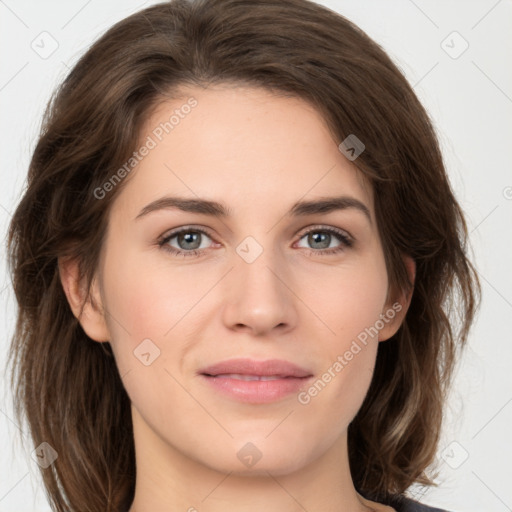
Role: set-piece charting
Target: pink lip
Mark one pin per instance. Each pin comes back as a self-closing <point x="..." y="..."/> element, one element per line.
<point x="269" y="367"/>
<point x="290" y="379"/>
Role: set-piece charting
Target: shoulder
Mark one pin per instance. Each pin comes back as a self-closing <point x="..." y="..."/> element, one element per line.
<point x="403" y="504"/>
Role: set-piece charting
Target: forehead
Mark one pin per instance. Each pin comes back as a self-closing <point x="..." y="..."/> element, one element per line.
<point x="242" y="146"/>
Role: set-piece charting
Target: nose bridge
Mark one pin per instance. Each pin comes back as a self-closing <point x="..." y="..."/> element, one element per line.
<point x="258" y="297"/>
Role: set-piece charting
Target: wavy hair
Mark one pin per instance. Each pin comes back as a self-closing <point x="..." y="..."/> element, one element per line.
<point x="69" y="388"/>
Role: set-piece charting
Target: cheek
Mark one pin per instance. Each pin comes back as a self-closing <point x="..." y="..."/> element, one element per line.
<point x="351" y="308"/>
<point x="351" y="300"/>
<point x="140" y="305"/>
<point x="144" y="309"/>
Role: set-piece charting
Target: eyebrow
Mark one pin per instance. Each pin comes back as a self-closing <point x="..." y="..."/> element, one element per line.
<point x="320" y="206"/>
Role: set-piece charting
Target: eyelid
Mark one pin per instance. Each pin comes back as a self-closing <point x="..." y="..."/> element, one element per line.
<point x="325" y="227"/>
<point x="192" y="227"/>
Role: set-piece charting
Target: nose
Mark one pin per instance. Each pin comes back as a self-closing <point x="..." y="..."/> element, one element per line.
<point x="259" y="297"/>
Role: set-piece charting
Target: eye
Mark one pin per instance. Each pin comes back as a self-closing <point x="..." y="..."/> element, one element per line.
<point x="188" y="241"/>
<point x="320" y="238"/>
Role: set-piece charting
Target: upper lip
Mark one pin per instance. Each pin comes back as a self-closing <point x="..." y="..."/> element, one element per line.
<point x="269" y="367"/>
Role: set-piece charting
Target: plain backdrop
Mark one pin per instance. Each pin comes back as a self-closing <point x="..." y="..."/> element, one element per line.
<point x="454" y="53"/>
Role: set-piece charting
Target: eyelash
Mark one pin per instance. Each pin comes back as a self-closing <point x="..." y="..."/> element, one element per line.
<point x="346" y="241"/>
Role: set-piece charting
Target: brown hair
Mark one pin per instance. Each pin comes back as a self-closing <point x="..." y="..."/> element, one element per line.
<point x="69" y="387"/>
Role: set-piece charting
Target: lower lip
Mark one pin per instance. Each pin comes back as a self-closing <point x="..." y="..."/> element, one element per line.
<point x="257" y="391"/>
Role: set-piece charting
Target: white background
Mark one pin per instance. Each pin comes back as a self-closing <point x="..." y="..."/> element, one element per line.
<point x="469" y="99"/>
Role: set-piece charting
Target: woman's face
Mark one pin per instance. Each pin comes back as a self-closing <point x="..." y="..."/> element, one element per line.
<point x="267" y="280"/>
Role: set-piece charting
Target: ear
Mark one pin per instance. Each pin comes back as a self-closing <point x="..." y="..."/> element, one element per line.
<point x="396" y="307"/>
<point x="91" y="317"/>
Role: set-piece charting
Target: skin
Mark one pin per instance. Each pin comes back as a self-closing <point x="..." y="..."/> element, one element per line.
<point x="258" y="153"/>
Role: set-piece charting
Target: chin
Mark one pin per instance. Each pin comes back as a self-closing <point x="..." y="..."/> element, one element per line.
<point x="259" y="458"/>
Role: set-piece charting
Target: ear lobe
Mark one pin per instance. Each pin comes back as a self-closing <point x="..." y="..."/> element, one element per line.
<point x="394" y="314"/>
<point x="88" y="310"/>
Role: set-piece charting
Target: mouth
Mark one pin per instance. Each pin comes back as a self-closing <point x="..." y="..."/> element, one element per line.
<point x="255" y="382"/>
<point x="278" y="368"/>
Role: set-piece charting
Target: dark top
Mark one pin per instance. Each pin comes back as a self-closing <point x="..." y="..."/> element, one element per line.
<point x="403" y="504"/>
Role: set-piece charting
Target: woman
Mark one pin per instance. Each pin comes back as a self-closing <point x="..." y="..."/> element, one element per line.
<point x="182" y="342"/>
